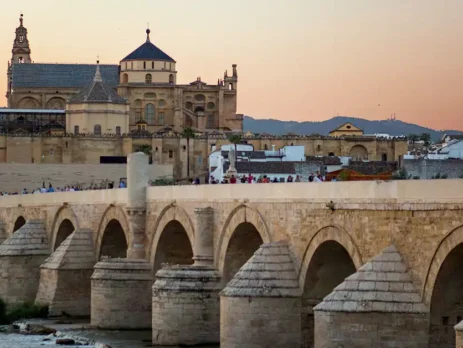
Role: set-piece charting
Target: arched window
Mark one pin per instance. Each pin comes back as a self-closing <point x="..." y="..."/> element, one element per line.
<point x="331" y="154"/>
<point x="118" y="130"/>
<point x="76" y="130"/>
<point x="97" y="129"/>
<point x="148" y="78"/>
<point x="230" y="86"/>
<point x="210" y="121"/>
<point x="161" y="119"/>
<point x="125" y="78"/>
<point x="384" y="157"/>
<point x="149" y="113"/>
<point x="20" y="60"/>
<point x="171" y="79"/>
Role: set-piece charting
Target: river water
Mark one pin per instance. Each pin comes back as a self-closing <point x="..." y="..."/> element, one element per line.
<point x="116" y="339"/>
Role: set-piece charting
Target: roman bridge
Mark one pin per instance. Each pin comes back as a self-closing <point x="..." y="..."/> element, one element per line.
<point x="157" y="257"/>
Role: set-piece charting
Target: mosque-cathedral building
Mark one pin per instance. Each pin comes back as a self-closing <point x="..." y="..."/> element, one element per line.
<point x="79" y="113"/>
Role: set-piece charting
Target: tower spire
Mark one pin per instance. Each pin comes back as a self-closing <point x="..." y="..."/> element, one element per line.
<point x="21" y="18"/>
<point x="98" y="77"/>
<point x="148" y="31"/>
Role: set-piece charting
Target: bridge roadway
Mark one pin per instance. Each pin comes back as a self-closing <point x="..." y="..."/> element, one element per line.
<point x="329" y="230"/>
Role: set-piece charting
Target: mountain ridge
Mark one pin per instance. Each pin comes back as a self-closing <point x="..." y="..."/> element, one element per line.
<point x="392" y="127"/>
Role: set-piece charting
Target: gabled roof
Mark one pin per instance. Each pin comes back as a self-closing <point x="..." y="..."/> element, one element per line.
<point x="344" y="127"/>
<point x="97" y="92"/>
<point x="61" y="75"/>
<point x="148" y="51"/>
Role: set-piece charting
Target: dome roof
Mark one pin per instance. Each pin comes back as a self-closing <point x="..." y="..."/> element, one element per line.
<point x="148" y="51"/>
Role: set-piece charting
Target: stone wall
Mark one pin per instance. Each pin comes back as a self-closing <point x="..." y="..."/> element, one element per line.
<point x="367" y="330"/>
<point x="16" y="177"/>
<point x="452" y="168"/>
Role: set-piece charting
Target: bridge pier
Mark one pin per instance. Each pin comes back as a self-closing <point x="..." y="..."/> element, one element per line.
<point x="376" y="307"/>
<point x="65" y="276"/>
<point x="261" y="305"/>
<point x="20" y="260"/>
<point x="186" y="307"/>
<point x="120" y="297"/>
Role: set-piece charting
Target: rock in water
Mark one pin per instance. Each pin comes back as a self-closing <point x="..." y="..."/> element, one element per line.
<point x="65" y="341"/>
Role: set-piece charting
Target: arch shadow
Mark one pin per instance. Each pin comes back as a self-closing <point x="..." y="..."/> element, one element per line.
<point x="111" y="213"/>
<point x="239" y="215"/>
<point x="20" y="222"/>
<point x="445" y="247"/>
<point x="170" y="213"/>
<point x="329" y="233"/>
<point x="64" y="213"/>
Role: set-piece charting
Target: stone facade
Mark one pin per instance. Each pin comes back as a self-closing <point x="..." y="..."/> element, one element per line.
<point x="172" y="150"/>
<point x="327" y="242"/>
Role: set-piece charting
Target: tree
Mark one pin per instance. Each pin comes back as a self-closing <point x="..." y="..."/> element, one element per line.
<point x="426" y="138"/>
<point x="147" y="150"/>
<point x="188" y="134"/>
<point x="235" y="139"/>
<point x="413" y="138"/>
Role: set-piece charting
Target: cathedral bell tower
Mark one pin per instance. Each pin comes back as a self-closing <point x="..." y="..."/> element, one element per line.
<point x="21" y="53"/>
<point x="21" y="50"/>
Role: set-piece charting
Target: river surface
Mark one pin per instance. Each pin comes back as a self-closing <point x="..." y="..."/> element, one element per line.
<point x="116" y="339"/>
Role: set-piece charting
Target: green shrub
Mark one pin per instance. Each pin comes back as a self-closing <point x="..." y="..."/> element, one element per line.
<point x="18" y="311"/>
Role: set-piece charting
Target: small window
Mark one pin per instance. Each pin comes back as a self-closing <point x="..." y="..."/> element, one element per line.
<point x="331" y="154"/>
<point x="319" y="148"/>
<point x="265" y="147"/>
<point x="20" y="60"/>
<point x="384" y="157"/>
<point x="161" y="119"/>
<point x="230" y="86"/>
<point x="156" y="149"/>
<point x="148" y="78"/>
<point x="200" y="160"/>
<point x="51" y="152"/>
<point x="171" y="154"/>
<point x="97" y="129"/>
<point x="445" y="320"/>
<point x="125" y="78"/>
<point x="144" y="65"/>
<point x="171" y="79"/>
<point x="118" y="130"/>
<point x="76" y="130"/>
<point x="66" y="144"/>
<point x="152" y="65"/>
<point x="131" y="65"/>
<point x="184" y="148"/>
<point x="348" y="127"/>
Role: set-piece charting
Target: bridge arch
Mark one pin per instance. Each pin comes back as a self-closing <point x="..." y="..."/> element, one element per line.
<point x="64" y="223"/>
<point x="242" y="234"/>
<point x="442" y="288"/>
<point x="172" y="239"/>
<point x="113" y="236"/>
<point x="19" y="222"/>
<point x="330" y="257"/>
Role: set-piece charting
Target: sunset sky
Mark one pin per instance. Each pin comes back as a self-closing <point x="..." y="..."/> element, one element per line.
<point x="303" y="60"/>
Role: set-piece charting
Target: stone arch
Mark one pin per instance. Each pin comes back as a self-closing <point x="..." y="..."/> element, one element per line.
<point x="329" y="233"/>
<point x="331" y="256"/>
<point x="239" y="220"/>
<point x="112" y="214"/>
<point x="169" y="214"/>
<point x="64" y="213"/>
<point x="442" y="289"/>
<point x="56" y="103"/>
<point x="358" y="152"/>
<point x="453" y="239"/>
<point x="19" y="222"/>
<point x="28" y="103"/>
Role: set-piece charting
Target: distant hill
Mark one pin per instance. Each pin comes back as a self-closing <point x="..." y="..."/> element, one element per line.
<point x="391" y="127"/>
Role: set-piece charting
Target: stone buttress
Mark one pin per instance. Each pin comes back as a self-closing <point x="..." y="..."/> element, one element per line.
<point x="261" y="305"/>
<point x="186" y="305"/>
<point x="20" y="260"/>
<point x="65" y="276"/>
<point x="121" y="290"/>
<point x="378" y="306"/>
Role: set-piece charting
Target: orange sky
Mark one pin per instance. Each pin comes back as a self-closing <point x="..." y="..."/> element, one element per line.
<point x="303" y="60"/>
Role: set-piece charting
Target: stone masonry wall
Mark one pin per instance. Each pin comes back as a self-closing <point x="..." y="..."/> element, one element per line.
<point x="367" y="330"/>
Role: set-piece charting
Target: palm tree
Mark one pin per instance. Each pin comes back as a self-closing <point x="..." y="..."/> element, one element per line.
<point x="426" y="138"/>
<point x="413" y="138"/>
<point x="235" y="139"/>
<point x="188" y="133"/>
